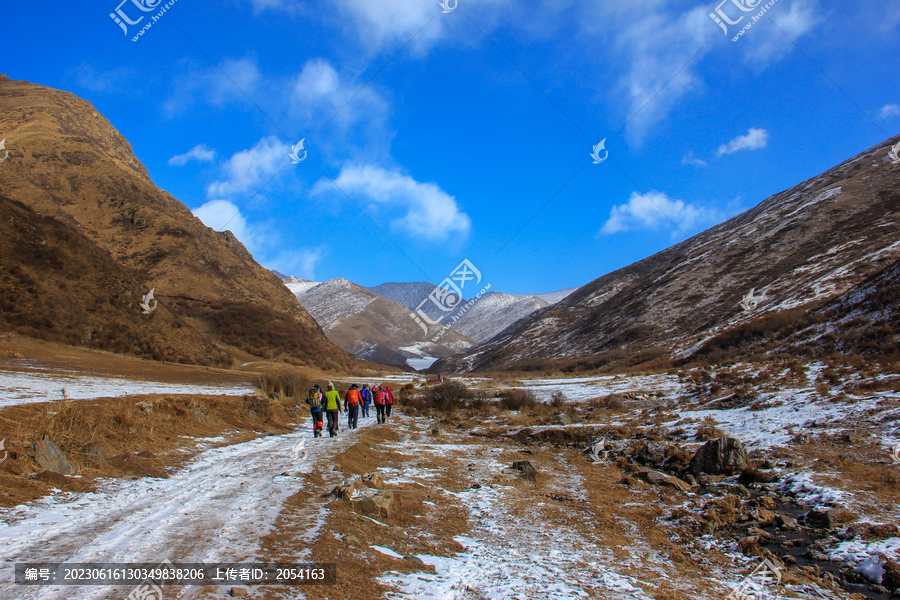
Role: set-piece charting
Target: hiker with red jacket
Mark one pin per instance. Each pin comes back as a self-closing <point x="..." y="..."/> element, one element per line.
<point x="388" y="402"/>
<point x="352" y="400"/>
<point x="380" y="399"/>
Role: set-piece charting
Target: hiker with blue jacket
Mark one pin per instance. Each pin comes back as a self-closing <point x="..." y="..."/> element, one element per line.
<point x="315" y="400"/>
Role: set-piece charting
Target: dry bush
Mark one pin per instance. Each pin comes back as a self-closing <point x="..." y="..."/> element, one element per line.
<point x="708" y="430"/>
<point x="558" y="399"/>
<point x="610" y="402"/>
<point x="517" y="399"/>
<point x="283" y="386"/>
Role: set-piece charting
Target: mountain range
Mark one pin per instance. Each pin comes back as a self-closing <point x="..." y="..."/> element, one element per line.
<point x="376" y="323"/>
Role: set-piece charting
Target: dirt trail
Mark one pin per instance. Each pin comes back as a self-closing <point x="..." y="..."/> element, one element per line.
<point x="214" y="509"/>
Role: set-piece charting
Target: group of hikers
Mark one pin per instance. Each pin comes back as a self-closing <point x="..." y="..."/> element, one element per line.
<point x="328" y="405"/>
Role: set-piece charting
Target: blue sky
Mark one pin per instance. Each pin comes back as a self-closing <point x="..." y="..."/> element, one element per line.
<point x="434" y="136"/>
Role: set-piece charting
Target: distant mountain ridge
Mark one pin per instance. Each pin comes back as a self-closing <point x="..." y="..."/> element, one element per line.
<point x="489" y="315"/>
<point x="372" y="327"/>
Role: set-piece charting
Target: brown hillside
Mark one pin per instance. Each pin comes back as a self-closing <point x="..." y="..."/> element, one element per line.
<point x="796" y="251"/>
<point x="68" y="163"/>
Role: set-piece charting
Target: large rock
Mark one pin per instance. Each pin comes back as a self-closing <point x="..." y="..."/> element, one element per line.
<point x="657" y="478"/>
<point x="49" y="456"/>
<point x="722" y="456"/>
<point x="375" y="502"/>
<point x="526" y="469"/>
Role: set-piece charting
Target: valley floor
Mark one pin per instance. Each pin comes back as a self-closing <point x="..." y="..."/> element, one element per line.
<point x="464" y="525"/>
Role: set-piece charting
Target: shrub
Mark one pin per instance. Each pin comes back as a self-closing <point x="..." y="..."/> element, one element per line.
<point x="283" y="385"/>
<point x="558" y="399"/>
<point x="517" y="399"/>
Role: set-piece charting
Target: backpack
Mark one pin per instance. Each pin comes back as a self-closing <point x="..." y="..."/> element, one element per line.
<point x="380" y="397"/>
<point x="364" y="393"/>
<point x="314" y="399"/>
<point x="353" y="397"/>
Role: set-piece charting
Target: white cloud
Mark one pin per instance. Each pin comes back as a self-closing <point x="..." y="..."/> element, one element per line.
<point x="249" y="171"/>
<point x="200" y="153"/>
<point x="754" y="140"/>
<point x="690" y="159"/>
<point x="319" y="93"/>
<point x="889" y="111"/>
<point x="430" y="213"/>
<point x="222" y="215"/>
<point x="764" y="43"/>
<point x="656" y="210"/>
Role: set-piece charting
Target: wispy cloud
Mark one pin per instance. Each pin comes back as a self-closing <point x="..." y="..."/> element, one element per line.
<point x="690" y="159"/>
<point x="768" y="43"/>
<point x="889" y="111"/>
<point x="200" y="153"/>
<point x="655" y="211"/>
<point x="250" y="170"/>
<point x="428" y="212"/>
<point x="209" y="85"/>
<point x="754" y="140"/>
<point x="301" y="262"/>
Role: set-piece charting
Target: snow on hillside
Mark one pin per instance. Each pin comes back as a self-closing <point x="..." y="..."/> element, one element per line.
<point x="299" y="286"/>
<point x="554" y="297"/>
<point x="333" y="300"/>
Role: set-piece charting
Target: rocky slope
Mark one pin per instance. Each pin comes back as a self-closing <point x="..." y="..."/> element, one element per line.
<point x="795" y="251"/>
<point x="371" y="327"/>
<point x="68" y="164"/>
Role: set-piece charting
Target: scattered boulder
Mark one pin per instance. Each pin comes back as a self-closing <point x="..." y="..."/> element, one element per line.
<point x="526" y="469"/>
<point x="49" y="456"/>
<point x="435" y="431"/>
<point x="563" y="419"/>
<point x="820" y="519"/>
<point x="239" y="592"/>
<point x="376" y="502"/>
<point x="722" y="456"/>
<point x="763" y="515"/>
<point x="95" y="454"/>
<point x="657" y="478"/>
<point x="654" y="453"/>
<point x="373" y="480"/>
<point x="51" y="477"/>
<point x="879" y="532"/>
<point x="251" y="413"/>
<point x="199" y="415"/>
<point x="890" y="577"/>
<point x="414" y="559"/>
<point x="786" y="522"/>
<point x="749" y="546"/>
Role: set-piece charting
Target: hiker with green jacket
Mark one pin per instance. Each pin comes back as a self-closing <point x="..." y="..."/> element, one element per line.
<point x="332" y="408"/>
